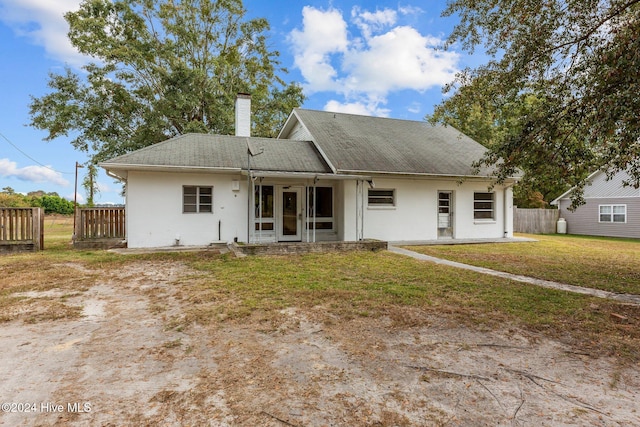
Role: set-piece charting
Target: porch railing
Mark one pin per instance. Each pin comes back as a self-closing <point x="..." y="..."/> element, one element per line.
<point x="100" y="223"/>
<point x="22" y="226"/>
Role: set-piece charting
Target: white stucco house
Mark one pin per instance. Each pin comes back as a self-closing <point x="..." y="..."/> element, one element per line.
<point x="326" y="177"/>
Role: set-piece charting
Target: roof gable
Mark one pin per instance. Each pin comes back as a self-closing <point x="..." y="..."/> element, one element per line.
<point x="599" y="187"/>
<point x="354" y="143"/>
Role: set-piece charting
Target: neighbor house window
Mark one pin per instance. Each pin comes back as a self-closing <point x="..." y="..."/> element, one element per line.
<point x="381" y="197"/>
<point x="197" y="199"/>
<point x="613" y="213"/>
<point x="323" y="208"/>
<point x="483" y="206"/>
<point x="263" y="204"/>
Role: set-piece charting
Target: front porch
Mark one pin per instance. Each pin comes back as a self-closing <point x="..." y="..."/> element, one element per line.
<point x="305" y="208"/>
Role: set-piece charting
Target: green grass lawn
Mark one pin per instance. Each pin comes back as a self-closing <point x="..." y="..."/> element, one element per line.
<point x="221" y="288"/>
<point x="595" y="262"/>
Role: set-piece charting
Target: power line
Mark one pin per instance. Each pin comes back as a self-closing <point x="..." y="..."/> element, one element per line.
<point x="31" y="158"/>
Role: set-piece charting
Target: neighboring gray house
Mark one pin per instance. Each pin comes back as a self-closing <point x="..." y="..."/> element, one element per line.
<point x="611" y="209"/>
<point x="327" y="177"/>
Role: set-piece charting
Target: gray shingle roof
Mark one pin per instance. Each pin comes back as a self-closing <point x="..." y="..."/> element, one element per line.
<point x="219" y="151"/>
<point x="373" y="144"/>
<point x="351" y="143"/>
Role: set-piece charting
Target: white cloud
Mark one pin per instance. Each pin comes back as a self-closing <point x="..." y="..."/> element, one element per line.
<point x="399" y="59"/>
<point x="9" y="169"/>
<point x="323" y="33"/>
<point x="43" y="23"/>
<point x="369" y="22"/>
<point x="410" y="10"/>
<point x="104" y="188"/>
<point x="79" y="198"/>
<point x="369" y="58"/>
<point x="414" y="108"/>
<point x="363" y="107"/>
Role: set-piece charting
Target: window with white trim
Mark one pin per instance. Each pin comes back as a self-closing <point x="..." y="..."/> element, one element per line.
<point x="263" y="204"/>
<point x="483" y="206"/>
<point x="613" y="213"/>
<point x="197" y="199"/>
<point x="323" y="208"/>
<point x="379" y="197"/>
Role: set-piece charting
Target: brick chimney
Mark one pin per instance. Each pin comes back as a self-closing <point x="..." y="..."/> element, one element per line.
<point x="243" y="114"/>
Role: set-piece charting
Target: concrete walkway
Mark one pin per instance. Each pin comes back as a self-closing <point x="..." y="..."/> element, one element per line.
<point x="625" y="298"/>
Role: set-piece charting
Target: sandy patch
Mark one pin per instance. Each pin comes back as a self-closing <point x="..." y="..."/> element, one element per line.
<point x="123" y="363"/>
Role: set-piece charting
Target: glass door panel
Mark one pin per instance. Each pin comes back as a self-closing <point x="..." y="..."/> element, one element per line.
<point x="291" y="214"/>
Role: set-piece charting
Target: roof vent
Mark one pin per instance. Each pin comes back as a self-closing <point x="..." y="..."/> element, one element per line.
<point x="243" y="114"/>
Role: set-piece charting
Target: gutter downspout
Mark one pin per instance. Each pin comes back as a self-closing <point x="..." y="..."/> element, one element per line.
<point x="248" y="197"/>
<point x="315" y="181"/>
<point x="259" y="211"/>
<point x="357" y="208"/>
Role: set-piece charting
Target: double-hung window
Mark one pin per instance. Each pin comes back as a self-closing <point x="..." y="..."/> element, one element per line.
<point x="483" y="206"/>
<point x="613" y="213"/>
<point x="197" y="199"/>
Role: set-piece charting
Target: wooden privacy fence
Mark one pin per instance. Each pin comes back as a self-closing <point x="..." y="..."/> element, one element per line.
<point x="21" y="229"/>
<point x="99" y="227"/>
<point x="535" y="221"/>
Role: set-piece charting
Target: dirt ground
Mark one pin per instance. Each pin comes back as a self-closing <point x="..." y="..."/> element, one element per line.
<point x="127" y="361"/>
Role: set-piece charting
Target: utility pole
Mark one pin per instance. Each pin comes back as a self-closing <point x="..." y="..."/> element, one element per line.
<point x="75" y="200"/>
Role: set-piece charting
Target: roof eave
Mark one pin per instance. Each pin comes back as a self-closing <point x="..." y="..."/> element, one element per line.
<point x="556" y="201"/>
<point x="307" y="175"/>
<point x="424" y="174"/>
<point x="165" y="168"/>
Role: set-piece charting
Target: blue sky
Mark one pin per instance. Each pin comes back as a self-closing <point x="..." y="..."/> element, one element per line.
<point x="370" y="57"/>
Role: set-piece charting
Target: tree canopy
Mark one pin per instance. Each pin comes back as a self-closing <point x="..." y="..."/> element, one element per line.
<point x="51" y="202"/>
<point x="162" y="69"/>
<point x="560" y="96"/>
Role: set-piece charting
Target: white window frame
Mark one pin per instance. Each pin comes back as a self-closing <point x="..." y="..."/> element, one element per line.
<point x="379" y="198"/>
<point x="612" y="213"/>
<point x="270" y="222"/>
<point x="329" y="219"/>
<point x="479" y="210"/>
<point x="198" y="202"/>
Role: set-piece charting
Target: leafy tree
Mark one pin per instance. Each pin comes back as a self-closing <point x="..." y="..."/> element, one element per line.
<point x="89" y="184"/>
<point x="11" y="199"/>
<point x="579" y="60"/>
<point x="481" y="118"/>
<point x="51" y="202"/>
<point x="162" y="68"/>
<point x="54" y="204"/>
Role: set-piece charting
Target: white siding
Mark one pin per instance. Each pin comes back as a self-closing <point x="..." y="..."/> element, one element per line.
<point x="155" y="217"/>
<point x="298" y="133"/>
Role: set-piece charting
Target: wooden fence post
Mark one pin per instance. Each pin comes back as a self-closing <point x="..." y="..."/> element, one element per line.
<point x="37" y="227"/>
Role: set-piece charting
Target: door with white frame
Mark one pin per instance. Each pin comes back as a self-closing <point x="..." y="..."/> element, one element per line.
<point x="445" y="214"/>
<point x="290" y="229"/>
